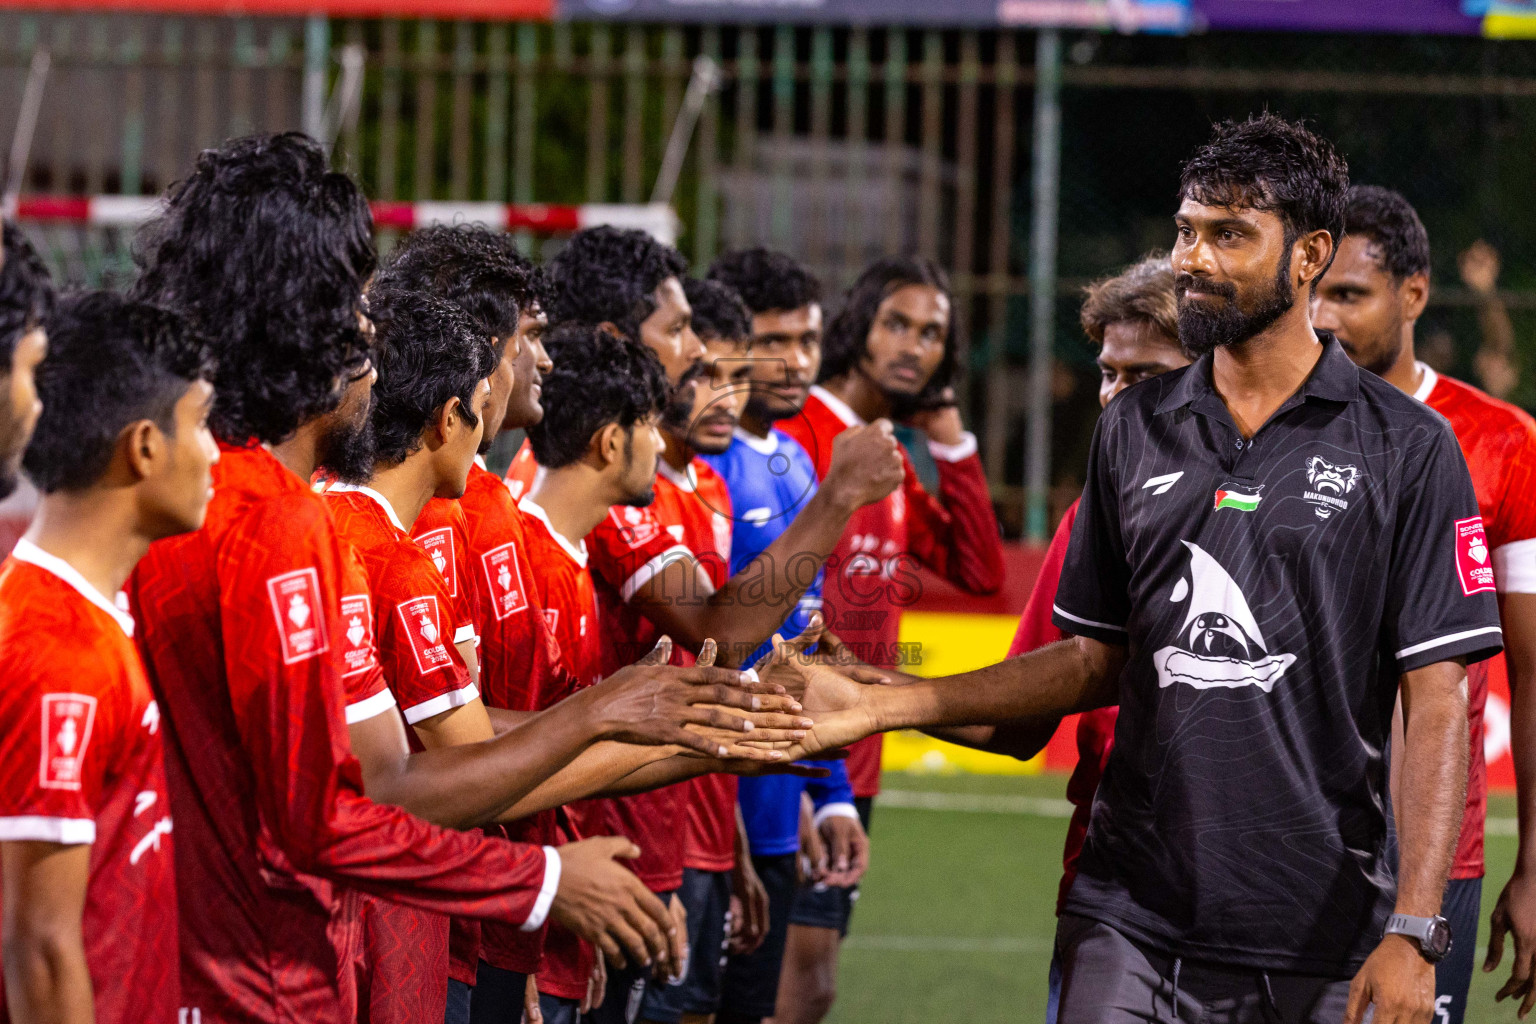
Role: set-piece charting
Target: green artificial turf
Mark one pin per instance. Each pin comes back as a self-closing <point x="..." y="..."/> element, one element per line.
<point x="957" y="913"/>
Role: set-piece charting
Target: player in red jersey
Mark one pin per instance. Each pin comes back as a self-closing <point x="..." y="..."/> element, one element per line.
<point x="1371" y="298"/>
<point x="890" y="352"/>
<point x="598" y="445"/>
<point x="267" y="253"/>
<point x="1132" y="319"/>
<point x="693" y="503"/>
<point x="85" y="848"/>
<point x="631" y="284"/>
<point x="26" y="296"/>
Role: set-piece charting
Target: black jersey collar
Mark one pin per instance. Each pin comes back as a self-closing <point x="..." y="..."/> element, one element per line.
<point x="1335" y="378"/>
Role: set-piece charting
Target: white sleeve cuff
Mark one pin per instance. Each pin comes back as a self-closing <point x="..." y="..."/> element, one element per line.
<point x="443" y="702"/>
<point x="546" y="891"/>
<point x="37" y="828"/>
<point x="650" y="570"/>
<point x="1514" y="567"/>
<point x="466" y="632"/>
<point x="368" y="707"/>
<point x="954" y="452"/>
<point x="834" y="811"/>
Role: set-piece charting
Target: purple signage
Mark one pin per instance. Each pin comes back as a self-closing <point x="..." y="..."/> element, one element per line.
<point x="1437" y="17"/>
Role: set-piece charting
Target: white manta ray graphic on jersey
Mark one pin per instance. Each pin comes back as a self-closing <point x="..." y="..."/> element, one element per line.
<point x="1219" y="644"/>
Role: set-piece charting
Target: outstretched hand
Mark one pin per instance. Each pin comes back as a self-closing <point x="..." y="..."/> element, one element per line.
<point x="702" y="708"/>
<point x="837" y="703"/>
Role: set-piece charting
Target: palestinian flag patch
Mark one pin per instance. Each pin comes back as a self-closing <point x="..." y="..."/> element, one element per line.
<point x="1237" y="499"/>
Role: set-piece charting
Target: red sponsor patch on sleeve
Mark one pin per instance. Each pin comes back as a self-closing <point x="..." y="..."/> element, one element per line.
<point x="67" y="721"/>
<point x="504" y="580"/>
<point x="1474" y="564"/>
<point x="297" y="607"/>
<point x="358" y="650"/>
<point x="422" y="621"/>
<point x="439" y="544"/>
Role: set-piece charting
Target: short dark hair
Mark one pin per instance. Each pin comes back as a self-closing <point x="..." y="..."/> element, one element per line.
<point x="847" y="337"/>
<point x="1269" y="163"/>
<point x="608" y="274"/>
<point x="1141" y="292"/>
<point x="26" y="292"/>
<point x="597" y="380"/>
<point x="767" y="280"/>
<point x="111" y="363"/>
<point x="718" y="311"/>
<point x="467" y="265"/>
<point x="429" y="351"/>
<point x="1393" y="226"/>
<point x="266" y="251"/>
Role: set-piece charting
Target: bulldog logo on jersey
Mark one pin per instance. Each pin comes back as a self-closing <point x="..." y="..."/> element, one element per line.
<point x="1327" y="484"/>
<point x="357" y="613"/>
<point x="439" y="544"/>
<point x="1219" y="644"/>
<point x="504" y="580"/>
<point x="423" y="625"/>
<point x="1472" y="566"/>
<point x="67" y="721"/>
<point x="295" y="596"/>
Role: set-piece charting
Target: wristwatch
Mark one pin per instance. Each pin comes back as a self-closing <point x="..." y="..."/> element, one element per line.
<point x="1433" y="934"/>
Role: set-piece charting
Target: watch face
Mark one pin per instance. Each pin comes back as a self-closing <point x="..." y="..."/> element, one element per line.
<point x="1437" y="939"/>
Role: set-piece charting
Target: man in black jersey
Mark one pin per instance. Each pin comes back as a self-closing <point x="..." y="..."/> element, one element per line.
<point x="1271" y="543"/>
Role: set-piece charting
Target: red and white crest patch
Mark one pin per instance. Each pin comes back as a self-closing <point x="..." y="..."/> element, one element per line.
<point x="552" y="616"/>
<point x="439" y="544"/>
<point x="357" y="632"/>
<point x="504" y="580"/>
<point x="635" y="526"/>
<point x="1474" y="564"/>
<point x="67" y="721"/>
<point x="297" y="607"/>
<point x="423" y="624"/>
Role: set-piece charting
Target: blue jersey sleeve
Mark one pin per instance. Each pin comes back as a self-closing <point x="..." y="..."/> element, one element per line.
<point x="834" y="789"/>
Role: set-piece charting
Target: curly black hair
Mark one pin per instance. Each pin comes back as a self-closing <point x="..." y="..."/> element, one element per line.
<point x="767" y="280"/>
<point x="597" y="380"/>
<point x="1393" y="225"/>
<point x="26" y="292"/>
<point x="468" y="265"/>
<point x="608" y="274"/>
<point x="267" y="253"/>
<point x="429" y="351"/>
<point x="718" y="311"/>
<point x="1269" y="163"/>
<point x="847" y="337"/>
<point x="153" y="356"/>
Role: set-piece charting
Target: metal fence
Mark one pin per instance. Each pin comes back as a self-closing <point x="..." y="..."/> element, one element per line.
<point x="836" y="144"/>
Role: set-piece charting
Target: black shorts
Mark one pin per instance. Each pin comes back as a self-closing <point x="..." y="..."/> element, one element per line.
<point x="750" y="987"/>
<point x="1453" y="976"/>
<point x="706" y="895"/>
<point x="626" y="988"/>
<point x="497" y="997"/>
<point x="822" y="906"/>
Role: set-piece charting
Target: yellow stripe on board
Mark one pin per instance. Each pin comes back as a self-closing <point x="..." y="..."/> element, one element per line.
<point x="943" y="643"/>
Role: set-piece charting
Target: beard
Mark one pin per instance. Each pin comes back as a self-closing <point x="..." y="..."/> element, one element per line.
<point x="1380" y="356"/>
<point x="347" y="451"/>
<point x="1203" y="329"/>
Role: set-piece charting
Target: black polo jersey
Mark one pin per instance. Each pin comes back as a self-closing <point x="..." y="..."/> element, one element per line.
<point x="1270" y="592"/>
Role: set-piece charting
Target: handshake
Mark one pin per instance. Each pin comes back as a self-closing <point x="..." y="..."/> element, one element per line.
<point x="790" y="705"/>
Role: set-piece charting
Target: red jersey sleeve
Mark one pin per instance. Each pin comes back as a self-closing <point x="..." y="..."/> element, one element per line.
<point x="630" y="547"/>
<point x="956" y="534"/>
<point x="1512" y="527"/>
<point x="367" y="694"/>
<point x="56" y="732"/>
<point x="443" y="531"/>
<point x="1035" y="626"/>
<point x="416" y="647"/>
<point x="278" y="577"/>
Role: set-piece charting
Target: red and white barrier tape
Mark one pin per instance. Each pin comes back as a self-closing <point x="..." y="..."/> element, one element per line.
<point x="658" y="219"/>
